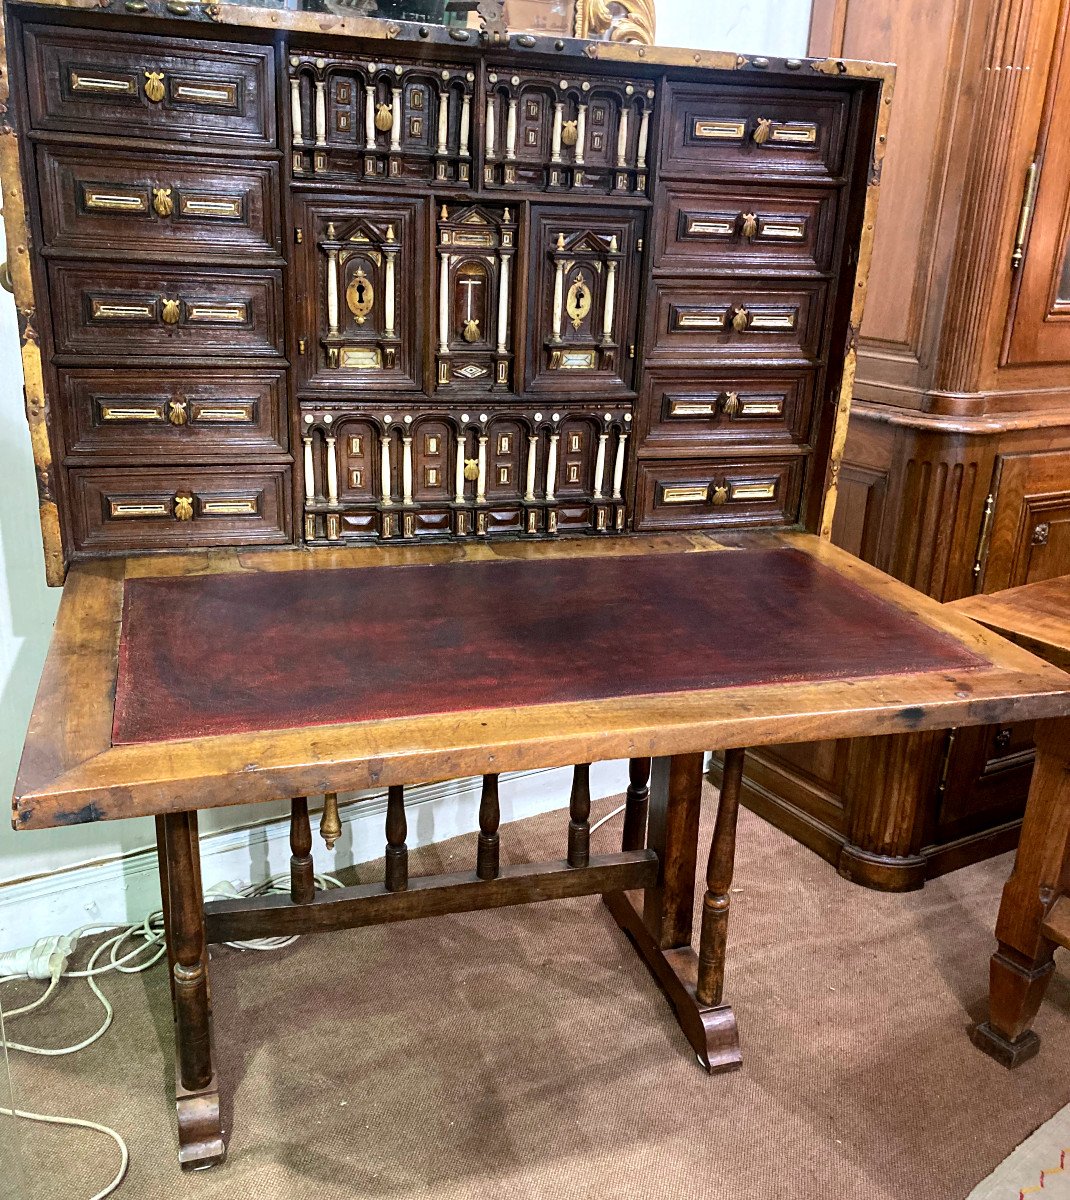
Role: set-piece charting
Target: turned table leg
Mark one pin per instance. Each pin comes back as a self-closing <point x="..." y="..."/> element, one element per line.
<point x="200" y="1134"/>
<point x="636" y="804"/>
<point x="716" y="904"/>
<point x="1022" y="964"/>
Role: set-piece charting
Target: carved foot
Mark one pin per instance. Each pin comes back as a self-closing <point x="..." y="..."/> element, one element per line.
<point x="710" y="1029"/>
<point x="1007" y="1054"/>
<point x="200" y="1131"/>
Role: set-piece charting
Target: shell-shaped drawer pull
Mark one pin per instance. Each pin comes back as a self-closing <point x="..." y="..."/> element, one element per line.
<point x="154" y="87"/>
<point x="162" y="204"/>
<point x="183" y="506"/>
<point x="731" y="404"/>
<point x="720" y="494"/>
<point x="740" y="319"/>
<point x="750" y="225"/>
<point x="178" y="410"/>
<point x="171" y="311"/>
<point x="763" y="131"/>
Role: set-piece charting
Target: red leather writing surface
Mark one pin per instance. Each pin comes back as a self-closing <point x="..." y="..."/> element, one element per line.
<point x="237" y="653"/>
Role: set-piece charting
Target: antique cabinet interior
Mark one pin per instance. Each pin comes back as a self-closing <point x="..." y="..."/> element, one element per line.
<point x="295" y="287"/>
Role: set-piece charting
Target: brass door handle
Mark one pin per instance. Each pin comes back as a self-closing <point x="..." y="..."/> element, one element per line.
<point x="740" y="319"/>
<point x="154" y="88"/>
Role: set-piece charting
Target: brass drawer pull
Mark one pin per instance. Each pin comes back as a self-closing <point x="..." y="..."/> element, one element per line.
<point x="741" y="318"/>
<point x="154" y="88"/>
<point x="720" y="495"/>
<point x="731" y="405"/>
<point x="762" y="131"/>
<point x="177" y="411"/>
<point x="162" y="203"/>
<point x="183" y="506"/>
<point x="171" y="311"/>
<point x="750" y="225"/>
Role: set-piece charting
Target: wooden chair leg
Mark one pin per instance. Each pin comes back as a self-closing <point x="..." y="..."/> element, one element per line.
<point x="397" y="852"/>
<point x="636" y="804"/>
<point x="579" y="826"/>
<point x="487" y="857"/>
<point x="719" y="871"/>
<point x="200" y="1134"/>
<point x="1022" y="965"/>
<point x="302" y="872"/>
<point x="161" y="855"/>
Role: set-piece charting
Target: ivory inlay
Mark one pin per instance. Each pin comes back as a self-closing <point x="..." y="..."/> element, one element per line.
<point x="710" y="226"/>
<point x="361" y="358"/>
<point x="753" y="491"/>
<point x="296" y="116"/>
<point x="139" y="508"/>
<point x="244" y="507"/>
<point x="618" y="468"/>
<point x="102" y="83"/>
<point x="795" y="133"/>
<point x="204" y="206"/>
<point x="217" y="313"/>
<point x="332" y="469"/>
<point x="787" y="231"/>
<point x="774" y="320"/>
<point x="693" y="408"/>
<point x="153" y="412"/>
<point x="115" y="201"/>
<point x="310" y="474"/>
<point x="720" y="130"/>
<point x="226" y="93"/>
<point x="216" y="414"/>
<point x="762" y="408"/>
<point x="684" y="493"/>
<point x="107" y="310"/>
<point x="551" y="467"/>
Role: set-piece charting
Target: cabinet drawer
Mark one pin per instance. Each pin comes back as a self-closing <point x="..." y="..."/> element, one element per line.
<point x="720" y="493"/>
<point x="739" y="320"/>
<point x="108" y="310"/>
<point x="128" y="85"/>
<point x="163" y="416"/>
<point x="154" y="509"/>
<point x="140" y="203"/>
<point x="748" y="227"/>
<point x="731" y="130"/>
<point x="694" y="412"/>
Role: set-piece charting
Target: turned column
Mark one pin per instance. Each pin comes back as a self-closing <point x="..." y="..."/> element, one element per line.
<point x="397" y="852"/>
<point x="717" y="901"/>
<point x="579" y="826"/>
<point x="487" y="861"/>
<point x="302" y="873"/>
<point x="636" y="804"/>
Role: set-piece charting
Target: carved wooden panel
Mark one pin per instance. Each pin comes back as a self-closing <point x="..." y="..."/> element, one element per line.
<point x="1030" y="537"/>
<point x="722" y="493"/>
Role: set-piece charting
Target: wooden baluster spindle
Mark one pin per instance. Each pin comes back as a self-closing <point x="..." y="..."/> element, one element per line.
<point x="579" y="827"/>
<point x="397" y="853"/>
<point x="489" y="818"/>
<point x="637" y="802"/>
<point x="302" y="875"/>
<point x="330" y="821"/>
<point x="711" y="951"/>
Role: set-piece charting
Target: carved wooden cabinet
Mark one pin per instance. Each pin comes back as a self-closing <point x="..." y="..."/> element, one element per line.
<point x="288" y="278"/>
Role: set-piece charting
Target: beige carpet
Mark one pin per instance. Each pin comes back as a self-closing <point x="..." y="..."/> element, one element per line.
<point x="527" y="1054"/>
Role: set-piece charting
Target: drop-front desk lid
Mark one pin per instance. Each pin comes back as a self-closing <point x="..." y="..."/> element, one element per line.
<point x="237" y="676"/>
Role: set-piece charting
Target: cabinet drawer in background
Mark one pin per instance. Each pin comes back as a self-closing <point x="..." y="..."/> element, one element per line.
<point x="718" y="493"/>
<point x="128" y="203"/>
<point x="165" y="416"/>
<point x="139" y="508"/>
<point x="130" y="85"/>
<point x="748" y="227"/>
<point x="694" y="411"/>
<point x="147" y="311"/>
<point x="738" y="320"/>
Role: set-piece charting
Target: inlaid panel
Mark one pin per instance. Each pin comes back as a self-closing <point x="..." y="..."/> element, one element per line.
<point x="123" y="85"/>
<point x="724" y="493"/>
<point x="139" y="204"/>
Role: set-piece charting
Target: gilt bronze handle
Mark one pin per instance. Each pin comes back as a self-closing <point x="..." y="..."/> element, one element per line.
<point x="740" y="319"/>
<point x="171" y="311"/>
<point x="154" y="88"/>
<point x="762" y="131"/>
<point x="750" y="224"/>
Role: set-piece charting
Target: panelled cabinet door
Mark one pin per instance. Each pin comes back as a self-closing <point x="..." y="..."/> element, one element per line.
<point x="583" y="300"/>
<point x="1039" y="324"/>
<point x="361" y="271"/>
<point x="1030" y="535"/>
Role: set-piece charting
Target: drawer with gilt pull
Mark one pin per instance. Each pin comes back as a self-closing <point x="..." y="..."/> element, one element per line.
<point x="141" y="204"/>
<point x="155" y="312"/>
<point x="730" y="320"/>
<point x="128" y="85"/>
<point x="718" y="493"/>
<point x="746" y="227"/>
<point x="736" y="130"/>
<point x="138" y="508"/>
<point x="170" y="416"/>
<point x="694" y="411"/>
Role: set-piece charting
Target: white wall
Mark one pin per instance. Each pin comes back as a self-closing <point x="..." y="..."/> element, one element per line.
<point x="778" y="28"/>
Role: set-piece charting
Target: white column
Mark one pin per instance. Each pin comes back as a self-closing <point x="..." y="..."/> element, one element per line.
<point x="443" y="119"/>
<point x="458" y="484"/>
<point x="481" y="486"/>
<point x="296" y="116"/>
<point x="332" y="291"/>
<point x="369" y="116"/>
<point x="551" y="467"/>
<point x="390" y="306"/>
<point x="644" y="137"/>
<point x="510" y="131"/>
<point x="444" y="306"/>
<point x="559" y="292"/>
<point x="622" y="138"/>
<point x="600" y="466"/>
<point x="581" y="133"/>
<point x="618" y="468"/>
<point x="310" y="470"/>
<point x="384" y="467"/>
<point x="395" y="128"/>
<point x="466" y="125"/>
<point x="332" y="471"/>
<point x="321" y="112"/>
<point x="503" y="305"/>
<point x="533" y="459"/>
<point x="559" y="124"/>
<point x="406" y="468"/>
<point x="491" y="131"/>
<point x="611" y="298"/>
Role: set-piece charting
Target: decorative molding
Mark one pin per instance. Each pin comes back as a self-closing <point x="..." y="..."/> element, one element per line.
<point x="616" y="20"/>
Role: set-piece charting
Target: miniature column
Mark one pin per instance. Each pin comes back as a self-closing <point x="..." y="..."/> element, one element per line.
<point x="443" y="120"/>
<point x="559" y="124"/>
<point x="296" y="116"/>
<point x="551" y="466"/>
<point x="503" y="305"/>
<point x="369" y="116"/>
<point x="321" y="112"/>
<point x="395" y="124"/>
<point x="559" y="289"/>
<point x="332" y="291"/>
<point x="406" y="468"/>
<point x="310" y="470"/>
<point x="390" y="306"/>
<point x="600" y="466"/>
<point x="444" y="303"/>
<point x="481" y="486"/>
<point x="332" y="470"/>
<point x="466" y="125"/>
<point x="622" y="137"/>
<point x="581" y="133"/>
<point x="458" y="486"/>
<point x="492" y="135"/>
<point x="533" y="460"/>
<point x="611" y="295"/>
<point x="618" y="468"/>
<point x="644" y="138"/>
<point x="510" y="130"/>
<point x="384" y="466"/>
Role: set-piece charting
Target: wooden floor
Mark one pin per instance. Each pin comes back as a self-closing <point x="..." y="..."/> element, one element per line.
<point x="528" y="1053"/>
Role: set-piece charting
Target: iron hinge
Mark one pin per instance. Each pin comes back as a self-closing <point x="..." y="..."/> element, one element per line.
<point x="1029" y="196"/>
<point x="945" y="765"/>
<point x="983" y="539"/>
<point x="299" y="234"/>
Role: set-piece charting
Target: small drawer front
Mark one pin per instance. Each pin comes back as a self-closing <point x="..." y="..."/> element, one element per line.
<point x="718" y="493"/>
<point x="746" y="228"/>
<point x="158" y="204"/>
<point x="742" y="130"/>
<point x="167" y="417"/>
<point x="155" y="509"/>
<point x="144" y="312"/>
<point x="741" y="320"/>
<point x="685" y="413"/>
<point x="126" y="85"/>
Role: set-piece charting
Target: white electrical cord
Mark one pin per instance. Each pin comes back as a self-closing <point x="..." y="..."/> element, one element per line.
<point x="608" y="817"/>
<point x="48" y="959"/>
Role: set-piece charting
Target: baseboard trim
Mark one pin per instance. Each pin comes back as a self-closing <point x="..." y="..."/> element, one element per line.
<point x="121" y="890"/>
